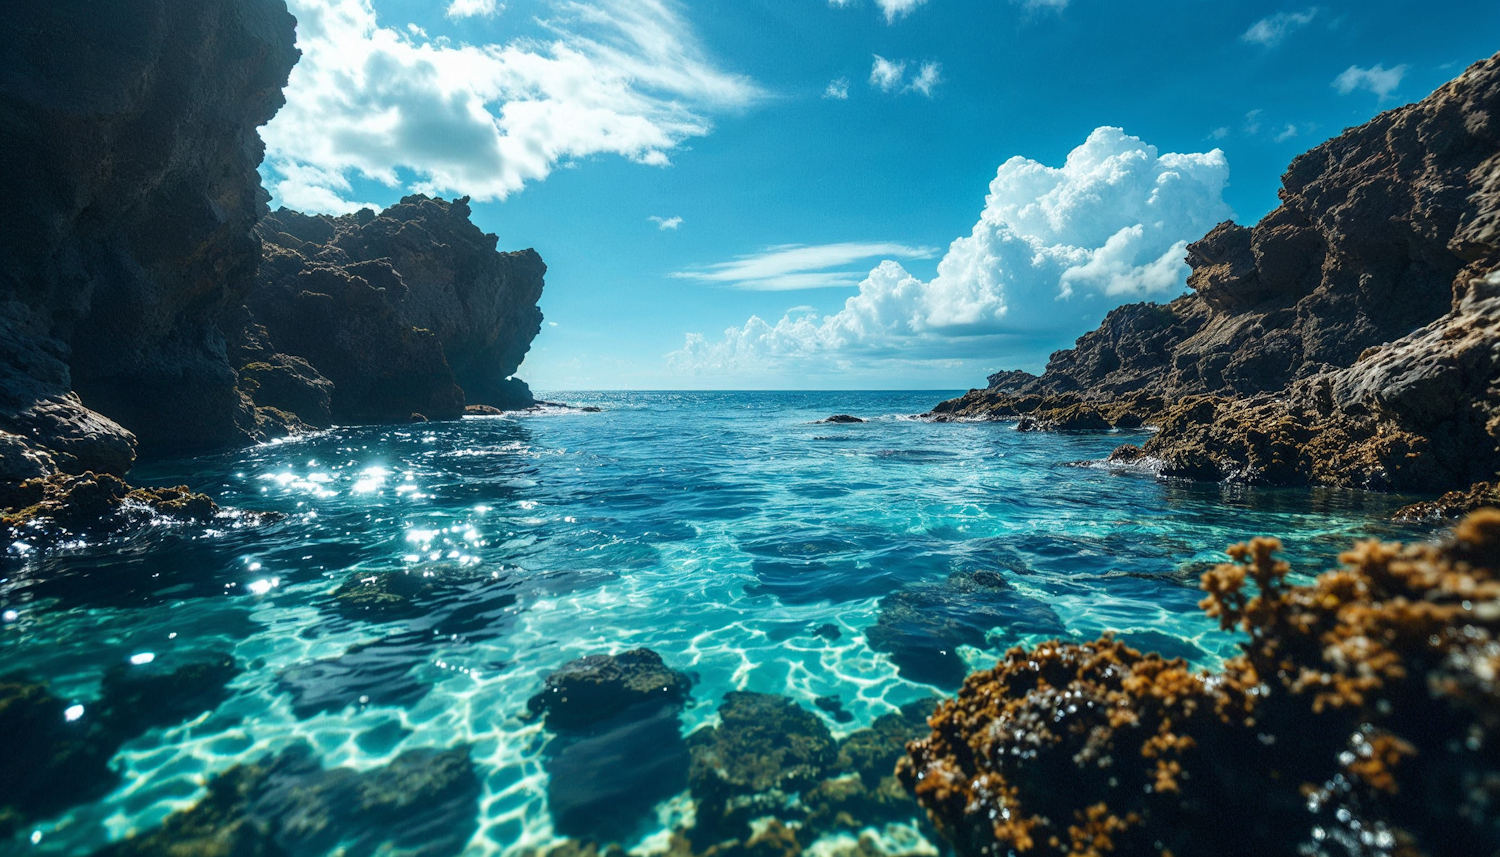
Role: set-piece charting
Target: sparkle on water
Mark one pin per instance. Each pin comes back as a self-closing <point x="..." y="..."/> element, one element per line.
<point x="719" y="529"/>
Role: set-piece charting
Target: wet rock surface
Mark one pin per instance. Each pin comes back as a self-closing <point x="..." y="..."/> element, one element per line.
<point x="1348" y="339"/>
<point x="1355" y="719"/>
<point x="842" y="418"/>
<point x="597" y="688"/>
<point x="424" y="804"/>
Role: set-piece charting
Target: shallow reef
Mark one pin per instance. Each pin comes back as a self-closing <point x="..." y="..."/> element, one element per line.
<point x="64" y="757"/>
<point x="1360" y="719"/>
<point x="46" y="510"/>
<point x="423" y="804"/>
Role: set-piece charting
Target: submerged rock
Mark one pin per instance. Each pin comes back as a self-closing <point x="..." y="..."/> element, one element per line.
<point x="921" y="625"/>
<point x="423" y="804"/>
<point x="59" y="752"/>
<point x="765" y="751"/>
<point x="382" y="595"/>
<point x="597" y="688"/>
<point x="841" y="418"/>
<point x="1363" y="715"/>
<point x="619" y="749"/>
<point x="378" y="673"/>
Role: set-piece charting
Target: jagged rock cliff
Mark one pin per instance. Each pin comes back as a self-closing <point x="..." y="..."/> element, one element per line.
<point x="1352" y="337"/>
<point x="130" y="133"/>
<point x="409" y="311"/>
<point x="139" y="307"/>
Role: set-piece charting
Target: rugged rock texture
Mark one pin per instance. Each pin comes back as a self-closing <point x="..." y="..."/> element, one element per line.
<point x="1361" y="317"/>
<point x="131" y="134"/>
<point x="1361" y="719"/>
<point x="409" y="311"/>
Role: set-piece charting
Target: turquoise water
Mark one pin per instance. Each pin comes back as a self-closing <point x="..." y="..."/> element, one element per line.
<point x="721" y="530"/>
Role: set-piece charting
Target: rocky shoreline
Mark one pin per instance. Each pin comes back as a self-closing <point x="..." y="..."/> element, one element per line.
<point x="151" y="304"/>
<point x="1350" y="339"/>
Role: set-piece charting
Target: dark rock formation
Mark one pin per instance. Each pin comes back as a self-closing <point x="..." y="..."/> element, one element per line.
<point x="131" y="134"/>
<point x="423" y="804"/>
<point x="1359" y="320"/>
<point x="765" y="750"/>
<point x="58" y="755"/>
<point x="409" y="311"/>
<point x="842" y="418"/>
<point x="619" y="748"/>
<point x="596" y="688"/>
<point x="1452" y="505"/>
<point x="44" y="511"/>
<point x="1361" y="719"/>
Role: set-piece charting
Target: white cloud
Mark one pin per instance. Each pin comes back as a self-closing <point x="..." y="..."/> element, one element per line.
<point x="837" y="89"/>
<point x="1270" y="31"/>
<point x="894" y="9"/>
<point x="1378" y="79"/>
<point x="1252" y="121"/>
<point x="1287" y="133"/>
<point x="1052" y="247"/>
<point x="665" y="223"/>
<point x="1219" y="133"/>
<point x="473" y="8"/>
<point x="929" y="76"/>
<point x="622" y="77"/>
<point x="886" y="75"/>
<point x="890" y="76"/>
<point x="800" y="266"/>
<point x="1054" y="5"/>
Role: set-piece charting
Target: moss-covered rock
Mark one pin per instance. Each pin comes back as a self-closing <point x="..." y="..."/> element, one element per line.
<point x="1362" y="718"/>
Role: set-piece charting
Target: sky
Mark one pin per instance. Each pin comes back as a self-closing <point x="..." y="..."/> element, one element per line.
<point x="839" y="194"/>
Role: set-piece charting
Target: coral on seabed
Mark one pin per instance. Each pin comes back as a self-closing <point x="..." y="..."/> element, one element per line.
<point x="1361" y="720"/>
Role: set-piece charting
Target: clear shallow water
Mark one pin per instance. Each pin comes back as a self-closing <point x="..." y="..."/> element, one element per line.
<point x="718" y="529"/>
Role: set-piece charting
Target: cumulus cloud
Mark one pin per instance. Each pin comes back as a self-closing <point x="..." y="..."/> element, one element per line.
<point x="1270" y="31"/>
<point x="837" y="89"/>
<point x="1378" y="79"/>
<point x="621" y="77"/>
<point x="800" y="266"/>
<point x="1052" y="247"/>
<point x="665" y="223"/>
<point x="473" y="8"/>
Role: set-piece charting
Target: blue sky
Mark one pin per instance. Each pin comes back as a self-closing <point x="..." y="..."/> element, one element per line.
<point x="810" y="194"/>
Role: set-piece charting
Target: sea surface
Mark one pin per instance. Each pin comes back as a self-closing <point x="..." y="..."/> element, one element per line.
<point x="724" y="531"/>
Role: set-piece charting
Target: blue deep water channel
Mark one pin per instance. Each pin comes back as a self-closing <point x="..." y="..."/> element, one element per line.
<point x="749" y="545"/>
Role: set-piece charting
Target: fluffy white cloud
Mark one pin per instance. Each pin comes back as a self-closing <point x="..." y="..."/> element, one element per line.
<point x="1270" y="31"/>
<point x="1053" y="246"/>
<point x="886" y="75"/>
<point x="665" y="223"/>
<point x="798" y="266"/>
<point x="837" y="89"/>
<point x="623" y="77"/>
<point x="1378" y="79"/>
<point x="473" y="8"/>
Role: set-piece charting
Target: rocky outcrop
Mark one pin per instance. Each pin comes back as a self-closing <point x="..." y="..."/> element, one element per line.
<point x="1360" y="719"/>
<point x="131" y="136"/>
<point x="141" y="309"/>
<point x="409" y="311"/>
<point x="1358" y="318"/>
